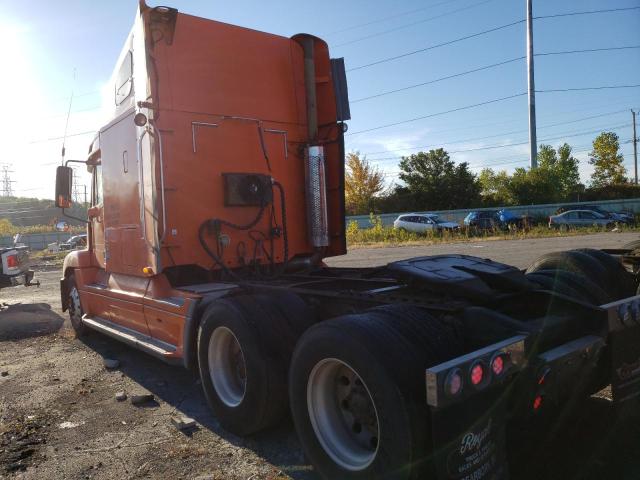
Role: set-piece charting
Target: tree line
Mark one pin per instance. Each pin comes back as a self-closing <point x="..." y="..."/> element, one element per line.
<point x="432" y="181"/>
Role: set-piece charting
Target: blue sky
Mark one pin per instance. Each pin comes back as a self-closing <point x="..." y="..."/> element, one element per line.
<point x="45" y="42"/>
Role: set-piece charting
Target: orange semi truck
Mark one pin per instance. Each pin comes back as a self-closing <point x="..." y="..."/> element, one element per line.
<point x="218" y="190"/>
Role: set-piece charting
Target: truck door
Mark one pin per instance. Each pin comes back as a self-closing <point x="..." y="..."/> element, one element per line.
<point x="120" y="250"/>
<point x="124" y="244"/>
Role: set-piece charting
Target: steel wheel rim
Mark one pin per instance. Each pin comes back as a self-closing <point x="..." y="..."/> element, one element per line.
<point x="343" y="414"/>
<point x="227" y="367"/>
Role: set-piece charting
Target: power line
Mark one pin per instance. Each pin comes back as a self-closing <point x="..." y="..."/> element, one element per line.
<point x="587" y="50"/>
<point x="407" y="25"/>
<point x="485" y="32"/>
<point x="487" y="67"/>
<point x="91" y="109"/>
<point x="493" y="164"/>
<point x="438" y="45"/>
<point x="483" y="103"/>
<point x="466" y="107"/>
<point x="510" y="161"/>
<point x="454" y="142"/>
<point x="353" y="27"/>
<point x="509" y="119"/>
<point x="59" y="138"/>
<point x="409" y="87"/>
<point x="516" y="144"/>
<point x="588" y="12"/>
<point x="582" y="89"/>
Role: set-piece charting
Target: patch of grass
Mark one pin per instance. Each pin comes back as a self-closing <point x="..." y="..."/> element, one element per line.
<point x="379" y="235"/>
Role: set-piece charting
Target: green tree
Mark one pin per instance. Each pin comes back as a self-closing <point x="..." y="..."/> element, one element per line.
<point x="607" y="161"/>
<point x="534" y="186"/>
<point x="562" y="165"/>
<point x="436" y="182"/>
<point x="362" y="183"/>
<point x="495" y="187"/>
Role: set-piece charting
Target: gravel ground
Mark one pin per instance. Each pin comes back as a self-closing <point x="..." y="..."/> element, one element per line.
<point x="59" y="417"/>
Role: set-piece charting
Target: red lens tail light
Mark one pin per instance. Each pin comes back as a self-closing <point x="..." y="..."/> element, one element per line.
<point x="497" y="365"/>
<point x="477" y="374"/>
<point x="12" y="261"/>
<point x="537" y="402"/>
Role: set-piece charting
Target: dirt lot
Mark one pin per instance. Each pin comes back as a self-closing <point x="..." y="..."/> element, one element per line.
<point x="59" y="417"/>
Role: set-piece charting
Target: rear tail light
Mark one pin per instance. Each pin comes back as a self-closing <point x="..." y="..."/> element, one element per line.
<point x="447" y="382"/>
<point x="453" y="382"/>
<point x="477" y="374"/>
<point x="12" y="261"/>
<point x="537" y="402"/>
<point x="498" y="364"/>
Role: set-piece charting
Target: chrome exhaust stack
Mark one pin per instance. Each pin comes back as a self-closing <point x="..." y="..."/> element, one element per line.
<point x="314" y="168"/>
<point x="316" y="196"/>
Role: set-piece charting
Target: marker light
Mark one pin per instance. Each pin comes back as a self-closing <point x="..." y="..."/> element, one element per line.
<point x="453" y="382"/>
<point x="140" y="119"/>
<point x="497" y="365"/>
<point x="477" y="374"/>
<point x="537" y="402"/>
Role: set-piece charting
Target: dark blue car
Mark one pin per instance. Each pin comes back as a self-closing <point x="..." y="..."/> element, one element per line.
<point x="494" y="220"/>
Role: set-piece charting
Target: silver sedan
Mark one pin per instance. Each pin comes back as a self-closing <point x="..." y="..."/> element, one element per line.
<point x="580" y="218"/>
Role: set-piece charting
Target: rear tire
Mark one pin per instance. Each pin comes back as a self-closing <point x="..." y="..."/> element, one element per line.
<point x="244" y="349"/>
<point x="578" y="263"/>
<point x="617" y="275"/>
<point x="570" y="284"/>
<point x="75" y="308"/>
<point x="357" y="395"/>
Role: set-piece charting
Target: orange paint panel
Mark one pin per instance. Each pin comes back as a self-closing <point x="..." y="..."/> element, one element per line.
<point x="164" y="325"/>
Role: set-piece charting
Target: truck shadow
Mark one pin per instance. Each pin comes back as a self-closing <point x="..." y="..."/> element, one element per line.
<point x="26" y="320"/>
<point x="181" y="389"/>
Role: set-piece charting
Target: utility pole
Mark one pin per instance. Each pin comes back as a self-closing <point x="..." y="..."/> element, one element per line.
<point x="7" y="191"/>
<point x="531" y="89"/>
<point x="635" y="147"/>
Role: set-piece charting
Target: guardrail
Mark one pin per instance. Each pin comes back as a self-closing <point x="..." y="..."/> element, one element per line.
<point x="37" y="241"/>
<point x="630" y="204"/>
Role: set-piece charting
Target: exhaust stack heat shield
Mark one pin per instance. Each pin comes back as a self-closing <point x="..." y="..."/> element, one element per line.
<point x="316" y="195"/>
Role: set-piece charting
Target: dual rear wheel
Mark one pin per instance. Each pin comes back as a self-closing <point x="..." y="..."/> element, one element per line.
<point x="355" y="384"/>
<point x="586" y="274"/>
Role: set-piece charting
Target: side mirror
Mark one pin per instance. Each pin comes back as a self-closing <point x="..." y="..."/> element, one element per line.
<point x="64" y="182"/>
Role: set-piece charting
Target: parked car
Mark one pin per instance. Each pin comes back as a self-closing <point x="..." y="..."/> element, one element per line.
<point x="620" y="217"/>
<point x="509" y="220"/>
<point x="484" y="220"/>
<point x="423" y="222"/>
<point x="580" y="218"/>
<point x="495" y="219"/>
<point x="14" y="267"/>
<point x="75" y="242"/>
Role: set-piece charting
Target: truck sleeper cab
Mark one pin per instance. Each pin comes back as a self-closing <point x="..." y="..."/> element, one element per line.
<point x="218" y="189"/>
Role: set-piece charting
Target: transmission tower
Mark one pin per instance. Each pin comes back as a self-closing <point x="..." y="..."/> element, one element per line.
<point x="7" y="190"/>
<point x="78" y="190"/>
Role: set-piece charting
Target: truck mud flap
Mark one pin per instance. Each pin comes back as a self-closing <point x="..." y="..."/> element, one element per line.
<point x="470" y="441"/>
<point x="624" y="342"/>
